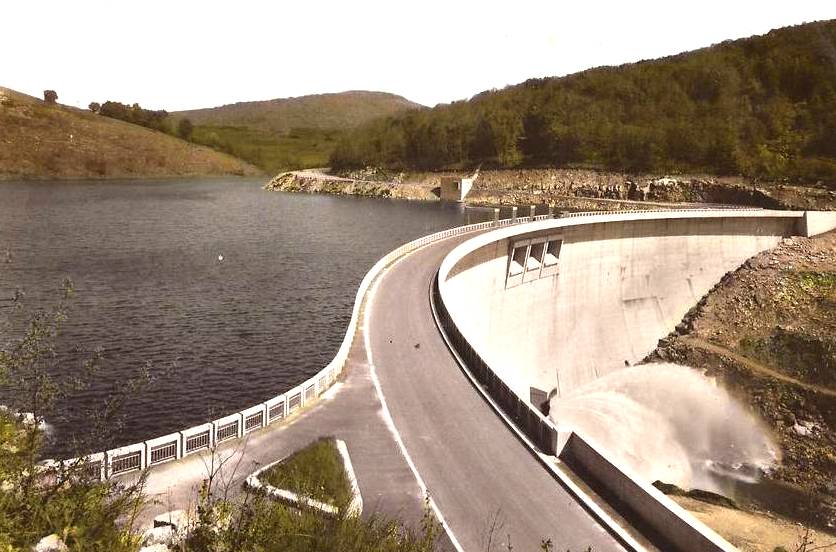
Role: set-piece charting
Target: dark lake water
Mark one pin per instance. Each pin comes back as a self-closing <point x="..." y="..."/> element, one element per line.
<point x="150" y="288"/>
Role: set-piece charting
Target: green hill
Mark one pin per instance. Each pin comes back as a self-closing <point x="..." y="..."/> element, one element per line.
<point x="764" y="107"/>
<point x="290" y="133"/>
<point x="46" y="141"/>
<point x="321" y="111"/>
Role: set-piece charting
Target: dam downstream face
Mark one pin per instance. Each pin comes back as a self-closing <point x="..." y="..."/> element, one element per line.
<point x="232" y="293"/>
<point x="669" y="423"/>
<point x="558" y="309"/>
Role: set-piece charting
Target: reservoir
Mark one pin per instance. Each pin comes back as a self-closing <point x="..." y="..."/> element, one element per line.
<point x="227" y="293"/>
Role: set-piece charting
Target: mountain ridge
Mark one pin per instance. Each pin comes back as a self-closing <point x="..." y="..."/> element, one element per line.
<point x="325" y="111"/>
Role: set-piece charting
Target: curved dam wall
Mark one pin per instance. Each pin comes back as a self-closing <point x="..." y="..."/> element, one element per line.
<point x="557" y="303"/>
<point x="554" y="304"/>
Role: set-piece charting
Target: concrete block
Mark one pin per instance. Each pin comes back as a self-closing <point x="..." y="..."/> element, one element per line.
<point x="309" y="391"/>
<point x="92" y="464"/>
<point x="295" y="400"/>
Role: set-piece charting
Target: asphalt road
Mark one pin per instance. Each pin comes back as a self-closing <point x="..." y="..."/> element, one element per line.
<point x="488" y="486"/>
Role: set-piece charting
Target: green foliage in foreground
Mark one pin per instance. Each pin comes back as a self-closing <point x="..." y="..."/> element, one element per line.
<point x="257" y="524"/>
<point x="39" y="500"/>
<point x="272" y="152"/>
<point x="763" y="107"/>
<point x="36" y="501"/>
<point x="315" y="471"/>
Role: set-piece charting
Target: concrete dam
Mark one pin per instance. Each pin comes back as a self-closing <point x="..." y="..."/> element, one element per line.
<point x="556" y="304"/>
<point x="554" y="316"/>
<point x="499" y="317"/>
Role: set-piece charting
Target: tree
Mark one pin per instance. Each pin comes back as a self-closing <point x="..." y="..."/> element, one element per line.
<point x="95" y="107"/>
<point x="185" y="129"/>
<point x="50" y="96"/>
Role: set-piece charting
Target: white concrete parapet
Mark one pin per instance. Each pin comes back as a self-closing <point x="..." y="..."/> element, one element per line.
<point x="254" y="417"/>
<point x="197" y="438"/>
<point x="125" y="459"/>
<point x="163" y="449"/>
<point x="228" y="427"/>
<point x="818" y="222"/>
<point x="276" y="408"/>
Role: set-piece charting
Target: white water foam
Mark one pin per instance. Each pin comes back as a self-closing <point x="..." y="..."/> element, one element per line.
<point x="667" y="422"/>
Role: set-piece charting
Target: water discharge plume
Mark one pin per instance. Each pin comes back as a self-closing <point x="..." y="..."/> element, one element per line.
<point x="667" y="422"/>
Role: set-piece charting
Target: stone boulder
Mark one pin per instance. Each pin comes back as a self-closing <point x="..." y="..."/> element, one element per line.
<point x="51" y="543"/>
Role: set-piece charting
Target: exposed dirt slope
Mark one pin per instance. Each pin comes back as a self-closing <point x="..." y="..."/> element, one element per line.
<point x="42" y="141"/>
<point x="768" y="332"/>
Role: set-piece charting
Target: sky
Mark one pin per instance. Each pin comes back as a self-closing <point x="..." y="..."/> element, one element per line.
<point x="183" y="54"/>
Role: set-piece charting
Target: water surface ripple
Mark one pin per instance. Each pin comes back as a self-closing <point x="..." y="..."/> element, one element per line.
<point x="219" y="335"/>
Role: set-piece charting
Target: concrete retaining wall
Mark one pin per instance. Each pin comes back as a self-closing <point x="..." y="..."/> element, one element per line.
<point x="818" y="222"/>
<point x="671" y="527"/>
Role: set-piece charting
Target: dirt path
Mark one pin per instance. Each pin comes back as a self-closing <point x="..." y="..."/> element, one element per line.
<point x="756" y="367"/>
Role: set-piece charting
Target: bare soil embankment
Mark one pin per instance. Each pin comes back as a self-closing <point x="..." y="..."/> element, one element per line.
<point x="41" y="141"/>
<point x="570" y="189"/>
<point x="767" y="332"/>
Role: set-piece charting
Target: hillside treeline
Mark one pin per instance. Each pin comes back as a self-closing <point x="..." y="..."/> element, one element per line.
<point x="764" y="107"/>
<point x="153" y="119"/>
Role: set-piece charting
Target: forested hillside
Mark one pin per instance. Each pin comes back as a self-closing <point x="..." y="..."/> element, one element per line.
<point x="764" y="107"/>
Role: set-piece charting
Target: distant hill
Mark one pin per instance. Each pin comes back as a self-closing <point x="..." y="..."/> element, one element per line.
<point x="290" y="133"/>
<point x="337" y="111"/>
<point x="41" y="141"/>
<point x="763" y="107"/>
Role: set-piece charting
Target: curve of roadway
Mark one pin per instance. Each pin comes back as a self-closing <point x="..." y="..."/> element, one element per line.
<point x="488" y="486"/>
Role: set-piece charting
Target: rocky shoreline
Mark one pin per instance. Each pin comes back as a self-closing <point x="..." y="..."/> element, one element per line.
<point x="319" y="183"/>
<point x="570" y="189"/>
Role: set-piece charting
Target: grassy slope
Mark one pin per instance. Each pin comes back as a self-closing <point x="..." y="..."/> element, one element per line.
<point x="40" y="141"/>
<point x="290" y="133"/>
<point x="322" y="111"/>
<point x="273" y="153"/>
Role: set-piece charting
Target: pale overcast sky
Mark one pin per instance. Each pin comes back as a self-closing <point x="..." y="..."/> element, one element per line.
<point x="179" y="54"/>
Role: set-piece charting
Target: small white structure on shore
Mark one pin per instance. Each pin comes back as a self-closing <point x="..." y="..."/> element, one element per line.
<point x="454" y="188"/>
